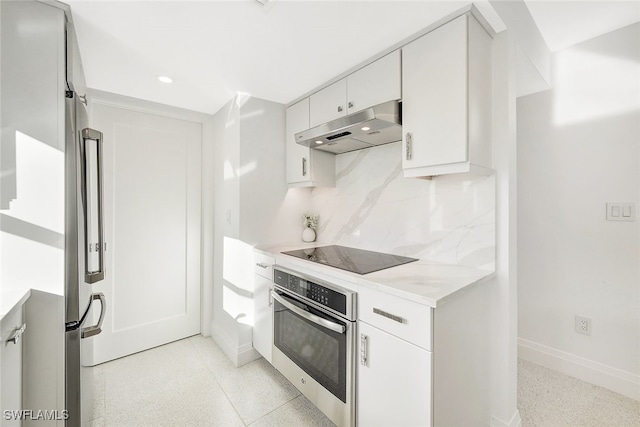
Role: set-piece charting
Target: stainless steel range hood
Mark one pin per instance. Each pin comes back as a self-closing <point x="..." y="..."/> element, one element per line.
<point x="377" y="125"/>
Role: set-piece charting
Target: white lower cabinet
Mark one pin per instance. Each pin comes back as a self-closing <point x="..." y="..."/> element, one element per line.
<point x="423" y="366"/>
<point x="394" y="386"/>
<point x="263" y="322"/>
<point x="11" y="366"/>
<point x="262" y="306"/>
<point x="32" y="360"/>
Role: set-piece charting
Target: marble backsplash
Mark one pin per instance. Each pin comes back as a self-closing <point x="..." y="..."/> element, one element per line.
<point x="450" y="219"/>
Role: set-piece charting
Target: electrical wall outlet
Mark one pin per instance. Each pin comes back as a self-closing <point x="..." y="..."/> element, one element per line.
<point x="583" y="325"/>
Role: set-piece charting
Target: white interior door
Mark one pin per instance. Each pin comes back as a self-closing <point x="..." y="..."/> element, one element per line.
<point x="152" y="230"/>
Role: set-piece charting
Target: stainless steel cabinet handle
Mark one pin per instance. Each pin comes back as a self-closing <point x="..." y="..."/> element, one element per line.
<point x="350" y="104"/>
<point x="364" y="343"/>
<point x="336" y="327"/>
<point x="262" y="265"/>
<point x="304" y="166"/>
<point x="388" y="315"/>
<point x="340" y="108"/>
<point x="408" y="145"/>
<point x="270" y="296"/>
<point x="90" y="331"/>
<point x="15" y="336"/>
<point x="90" y="136"/>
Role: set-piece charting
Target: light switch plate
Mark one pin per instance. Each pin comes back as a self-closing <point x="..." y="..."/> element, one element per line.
<point x="621" y="211"/>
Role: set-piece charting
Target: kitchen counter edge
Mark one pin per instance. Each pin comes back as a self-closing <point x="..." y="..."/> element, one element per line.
<point x="425" y="282"/>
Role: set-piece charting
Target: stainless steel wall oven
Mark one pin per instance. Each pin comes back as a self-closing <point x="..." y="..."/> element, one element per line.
<point x="314" y="341"/>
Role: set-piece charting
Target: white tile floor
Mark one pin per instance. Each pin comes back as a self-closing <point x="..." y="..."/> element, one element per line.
<point x="192" y="383"/>
<point x="548" y="398"/>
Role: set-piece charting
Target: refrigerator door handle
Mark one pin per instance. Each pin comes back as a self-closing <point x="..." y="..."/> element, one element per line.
<point x="90" y="331"/>
<point x="92" y="192"/>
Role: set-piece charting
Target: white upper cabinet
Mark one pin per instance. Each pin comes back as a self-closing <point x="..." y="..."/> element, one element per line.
<point x="297" y="155"/>
<point x="446" y="88"/>
<point x="329" y="103"/>
<point x="444" y="80"/>
<point x="374" y="84"/>
<point x="306" y="167"/>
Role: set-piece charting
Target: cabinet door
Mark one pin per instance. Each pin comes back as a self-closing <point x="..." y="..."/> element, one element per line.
<point x="394" y="382"/>
<point x="11" y="366"/>
<point x="262" y="319"/>
<point x="329" y="103"/>
<point x="298" y="159"/>
<point x="434" y="94"/>
<point x="374" y="84"/>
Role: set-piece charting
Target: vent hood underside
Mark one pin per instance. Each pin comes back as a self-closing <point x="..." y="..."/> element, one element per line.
<point x="377" y="125"/>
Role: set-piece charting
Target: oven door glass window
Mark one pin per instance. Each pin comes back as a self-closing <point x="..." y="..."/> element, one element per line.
<point x="320" y="352"/>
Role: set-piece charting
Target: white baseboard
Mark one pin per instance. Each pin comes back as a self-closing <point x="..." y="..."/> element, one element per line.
<point x="238" y="355"/>
<point x="623" y="382"/>
<point x="226" y="347"/>
<point x="515" y="421"/>
<point x="247" y="354"/>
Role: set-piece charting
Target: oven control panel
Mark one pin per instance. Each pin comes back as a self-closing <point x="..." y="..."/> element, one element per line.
<point x="315" y="292"/>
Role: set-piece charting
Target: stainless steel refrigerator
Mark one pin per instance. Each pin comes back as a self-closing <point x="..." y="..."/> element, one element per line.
<point x="84" y="254"/>
<point x="40" y="65"/>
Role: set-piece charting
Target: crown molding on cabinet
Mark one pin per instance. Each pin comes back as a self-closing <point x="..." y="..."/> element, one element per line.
<point x="482" y="11"/>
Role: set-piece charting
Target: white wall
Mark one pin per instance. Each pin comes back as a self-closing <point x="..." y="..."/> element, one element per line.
<point x="226" y="139"/>
<point x="532" y="56"/>
<point x="252" y="205"/>
<point x="32" y="148"/>
<point x="269" y="211"/>
<point x="578" y="149"/>
<point x="503" y="287"/>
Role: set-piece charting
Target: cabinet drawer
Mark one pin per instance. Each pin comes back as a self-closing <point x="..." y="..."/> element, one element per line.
<point x="405" y="319"/>
<point x="264" y="265"/>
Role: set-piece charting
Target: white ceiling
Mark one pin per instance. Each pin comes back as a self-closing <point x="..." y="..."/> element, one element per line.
<point x="213" y="49"/>
<point x="565" y="23"/>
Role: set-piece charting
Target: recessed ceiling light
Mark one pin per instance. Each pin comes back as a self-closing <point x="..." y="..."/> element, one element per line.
<point x="366" y="128"/>
<point x="165" y="79"/>
<point x="319" y="142"/>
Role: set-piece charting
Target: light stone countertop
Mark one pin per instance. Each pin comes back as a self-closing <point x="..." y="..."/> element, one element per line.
<point x="9" y="299"/>
<point x="422" y="281"/>
<point x="18" y="295"/>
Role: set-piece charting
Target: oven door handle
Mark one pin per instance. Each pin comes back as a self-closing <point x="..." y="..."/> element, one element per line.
<point x="336" y="327"/>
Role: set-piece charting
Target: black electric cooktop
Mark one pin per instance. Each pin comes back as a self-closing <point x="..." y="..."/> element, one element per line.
<point x="350" y="259"/>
